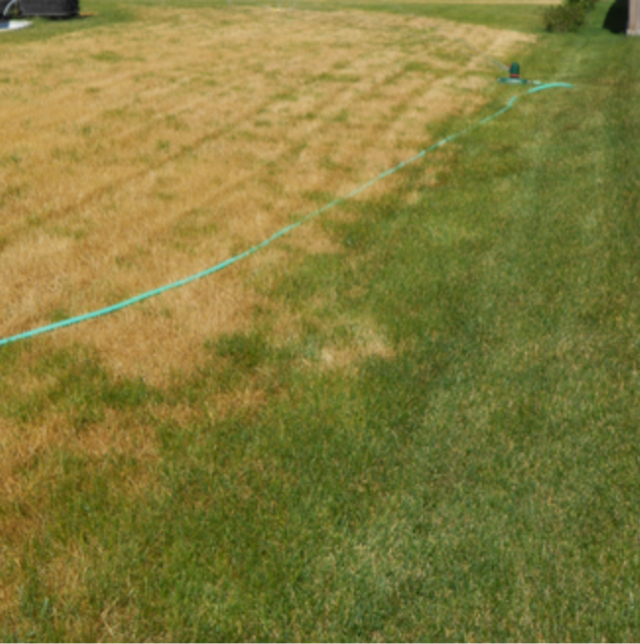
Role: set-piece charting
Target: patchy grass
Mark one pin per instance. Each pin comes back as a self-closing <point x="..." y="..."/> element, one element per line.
<point x="152" y="141"/>
<point x="521" y="16"/>
<point x="428" y="432"/>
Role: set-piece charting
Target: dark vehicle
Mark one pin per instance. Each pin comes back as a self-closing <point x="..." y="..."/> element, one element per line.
<point x="44" y="8"/>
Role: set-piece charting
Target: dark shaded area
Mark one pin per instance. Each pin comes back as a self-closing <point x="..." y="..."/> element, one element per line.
<point x="617" y="17"/>
<point x="49" y="8"/>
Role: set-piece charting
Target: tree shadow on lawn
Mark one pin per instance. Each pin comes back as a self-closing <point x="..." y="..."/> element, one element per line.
<point x="617" y="17"/>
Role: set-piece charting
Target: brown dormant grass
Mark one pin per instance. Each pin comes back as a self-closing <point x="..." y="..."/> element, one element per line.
<point x="138" y="154"/>
<point x="142" y="153"/>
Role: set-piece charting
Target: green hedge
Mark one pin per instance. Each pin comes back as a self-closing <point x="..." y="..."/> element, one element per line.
<point x="569" y="16"/>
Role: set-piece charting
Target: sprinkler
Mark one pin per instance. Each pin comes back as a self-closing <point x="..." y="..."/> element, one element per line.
<point x="514" y="77"/>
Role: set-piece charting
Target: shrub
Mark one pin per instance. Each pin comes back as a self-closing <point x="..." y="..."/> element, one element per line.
<point x="564" y="18"/>
<point x="569" y="16"/>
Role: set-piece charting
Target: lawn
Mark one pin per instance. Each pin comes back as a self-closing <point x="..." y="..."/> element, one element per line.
<point x="413" y="418"/>
<point x="197" y="134"/>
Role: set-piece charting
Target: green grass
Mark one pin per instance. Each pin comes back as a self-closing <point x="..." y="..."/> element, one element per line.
<point x="480" y="482"/>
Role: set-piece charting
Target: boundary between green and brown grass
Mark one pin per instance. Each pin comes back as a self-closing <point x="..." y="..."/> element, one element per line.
<point x="476" y="480"/>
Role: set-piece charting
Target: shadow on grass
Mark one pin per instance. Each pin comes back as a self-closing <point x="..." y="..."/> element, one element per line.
<point x="617" y="17"/>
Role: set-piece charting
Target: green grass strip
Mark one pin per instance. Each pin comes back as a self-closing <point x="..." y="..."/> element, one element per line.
<point x="218" y="267"/>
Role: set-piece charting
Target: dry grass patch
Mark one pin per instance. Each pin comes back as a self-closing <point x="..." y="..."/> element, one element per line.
<point x="367" y="344"/>
<point x="23" y="467"/>
<point x="142" y="153"/>
<point x="29" y="467"/>
<point x="139" y="154"/>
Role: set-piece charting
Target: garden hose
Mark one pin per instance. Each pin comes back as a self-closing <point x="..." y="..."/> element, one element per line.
<point x="232" y="260"/>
